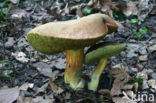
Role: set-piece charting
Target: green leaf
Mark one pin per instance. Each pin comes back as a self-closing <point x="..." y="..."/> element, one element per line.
<point x="18" y="2"/>
<point x="87" y="11"/>
<point x="7" y="12"/>
<point x="139" y="80"/>
<point x="2" y="25"/>
<point x="7" y="74"/>
<point x="134" y="20"/>
<point x="3" y="3"/>
<point x="136" y="33"/>
<point x="144" y="30"/>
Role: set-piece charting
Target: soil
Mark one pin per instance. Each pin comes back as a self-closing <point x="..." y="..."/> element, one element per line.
<point x="36" y="12"/>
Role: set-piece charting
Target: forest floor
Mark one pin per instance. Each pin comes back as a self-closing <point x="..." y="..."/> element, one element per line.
<point x="32" y="77"/>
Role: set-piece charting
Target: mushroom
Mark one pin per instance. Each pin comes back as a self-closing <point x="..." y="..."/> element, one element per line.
<point x="70" y="36"/>
<point x="100" y="53"/>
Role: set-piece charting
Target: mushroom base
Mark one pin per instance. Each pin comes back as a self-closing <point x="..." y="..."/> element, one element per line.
<point x="74" y="63"/>
<point x="93" y="84"/>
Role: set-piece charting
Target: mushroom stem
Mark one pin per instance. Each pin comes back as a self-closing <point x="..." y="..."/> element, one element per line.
<point x="93" y="84"/>
<point x="74" y="63"/>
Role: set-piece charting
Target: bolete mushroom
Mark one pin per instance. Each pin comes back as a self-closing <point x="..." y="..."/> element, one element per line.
<point x="100" y="53"/>
<point x="70" y="36"/>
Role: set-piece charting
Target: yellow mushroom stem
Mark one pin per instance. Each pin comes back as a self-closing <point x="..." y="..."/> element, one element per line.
<point x="93" y="84"/>
<point x="74" y="63"/>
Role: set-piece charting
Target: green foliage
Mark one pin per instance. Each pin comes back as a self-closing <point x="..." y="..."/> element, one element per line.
<point x="134" y="20"/>
<point x="58" y="80"/>
<point x="5" y="15"/>
<point x="87" y="11"/>
<point x="141" y="32"/>
<point x="138" y="80"/>
<point x="4" y="3"/>
<point x="136" y="33"/>
<point x="4" y="62"/>
<point x="118" y="15"/>
<point x="18" y="2"/>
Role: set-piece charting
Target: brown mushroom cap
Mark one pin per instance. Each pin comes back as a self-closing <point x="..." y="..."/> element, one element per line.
<point x="55" y="37"/>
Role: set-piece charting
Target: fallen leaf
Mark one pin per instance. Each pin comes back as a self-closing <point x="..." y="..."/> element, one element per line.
<point x="54" y="87"/>
<point x="18" y="13"/>
<point x="45" y="69"/>
<point x="131" y="9"/>
<point x="22" y="99"/>
<point x="25" y="86"/>
<point x="152" y="83"/>
<point x="144" y="73"/>
<point x="120" y="74"/>
<point x="9" y="95"/>
<point x="143" y="58"/>
<point x="42" y="88"/>
<point x="10" y="42"/>
<point x="152" y="48"/>
<point x="121" y="77"/>
<point x="119" y="100"/>
<point x="106" y="7"/>
<point x="67" y="95"/>
<point x="40" y="99"/>
<point x="20" y="56"/>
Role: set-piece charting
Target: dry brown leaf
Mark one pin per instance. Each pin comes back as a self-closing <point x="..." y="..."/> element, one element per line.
<point x="38" y="99"/>
<point x="18" y="13"/>
<point x="144" y="73"/>
<point x="121" y="77"/>
<point x="9" y="95"/>
<point x="79" y="11"/>
<point x="25" y="86"/>
<point x="127" y="87"/>
<point x="119" y="74"/>
<point x="131" y="9"/>
<point x="106" y="6"/>
<point x="118" y="100"/>
<point x="67" y="95"/>
<point x="22" y="99"/>
<point x="54" y="87"/>
<point x="143" y="57"/>
<point x="104" y="92"/>
<point x="116" y="89"/>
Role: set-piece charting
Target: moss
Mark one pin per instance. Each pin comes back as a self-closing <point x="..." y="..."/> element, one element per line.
<point x="53" y="45"/>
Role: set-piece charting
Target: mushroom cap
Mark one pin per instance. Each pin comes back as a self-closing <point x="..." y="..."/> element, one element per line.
<point x="102" y="50"/>
<point x="55" y="37"/>
<point x="112" y="26"/>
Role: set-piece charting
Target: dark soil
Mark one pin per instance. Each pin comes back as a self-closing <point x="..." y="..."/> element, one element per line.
<point x="40" y="12"/>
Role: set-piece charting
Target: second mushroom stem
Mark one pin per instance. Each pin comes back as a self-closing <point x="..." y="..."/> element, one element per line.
<point x="93" y="84"/>
<point x="74" y="64"/>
